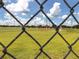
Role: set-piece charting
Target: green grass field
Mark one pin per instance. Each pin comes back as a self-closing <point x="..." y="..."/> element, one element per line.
<point x="25" y="48"/>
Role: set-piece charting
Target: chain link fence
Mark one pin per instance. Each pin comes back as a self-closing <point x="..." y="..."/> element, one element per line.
<point x="70" y="46"/>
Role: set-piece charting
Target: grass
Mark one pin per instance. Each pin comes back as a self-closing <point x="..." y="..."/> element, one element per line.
<point x="25" y="48"/>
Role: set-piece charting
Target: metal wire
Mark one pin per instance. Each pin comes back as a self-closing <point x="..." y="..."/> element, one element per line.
<point x="41" y="47"/>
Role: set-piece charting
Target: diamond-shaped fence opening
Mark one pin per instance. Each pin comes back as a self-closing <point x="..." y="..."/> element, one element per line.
<point x="53" y="48"/>
<point x="41" y="48"/>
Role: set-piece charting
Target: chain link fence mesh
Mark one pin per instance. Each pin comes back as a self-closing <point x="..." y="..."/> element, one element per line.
<point x="70" y="46"/>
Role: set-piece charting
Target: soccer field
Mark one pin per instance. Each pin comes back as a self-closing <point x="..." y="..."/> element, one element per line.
<point x="25" y="48"/>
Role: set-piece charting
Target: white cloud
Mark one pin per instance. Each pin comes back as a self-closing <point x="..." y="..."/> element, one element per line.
<point x="39" y="21"/>
<point x="11" y="21"/>
<point x="55" y="10"/>
<point x="70" y="21"/>
<point x="19" y="6"/>
<point x="64" y="16"/>
<point x="8" y="22"/>
<point x="23" y="13"/>
<point x="76" y="13"/>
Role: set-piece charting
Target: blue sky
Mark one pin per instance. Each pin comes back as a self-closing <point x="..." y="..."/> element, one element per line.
<point x="25" y="9"/>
